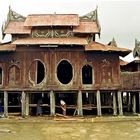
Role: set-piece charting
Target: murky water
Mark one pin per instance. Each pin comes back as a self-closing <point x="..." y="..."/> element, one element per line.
<point x="56" y="130"/>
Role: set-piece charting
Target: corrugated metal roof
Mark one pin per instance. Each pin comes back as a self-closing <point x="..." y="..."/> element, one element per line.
<point x="95" y="46"/>
<point x="52" y="20"/>
<point x="17" y="27"/>
<point x="86" y="27"/>
<point x="7" y="47"/>
<point x="62" y="41"/>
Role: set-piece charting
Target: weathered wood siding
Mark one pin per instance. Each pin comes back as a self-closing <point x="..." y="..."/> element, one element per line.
<point x="16" y="66"/>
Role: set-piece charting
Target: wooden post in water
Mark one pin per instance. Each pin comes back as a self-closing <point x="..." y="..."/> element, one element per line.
<point x="23" y="104"/>
<point x="98" y="98"/>
<point x="79" y="103"/>
<point x="52" y="103"/>
<point x="114" y="104"/>
<point x="5" y="104"/>
<point x="134" y="103"/>
<point x="120" y="103"/>
<point x="27" y="104"/>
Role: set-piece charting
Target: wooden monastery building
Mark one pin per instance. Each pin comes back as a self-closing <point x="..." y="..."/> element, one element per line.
<point x="56" y="57"/>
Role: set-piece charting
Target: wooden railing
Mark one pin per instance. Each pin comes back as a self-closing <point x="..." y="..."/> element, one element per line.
<point x="130" y="80"/>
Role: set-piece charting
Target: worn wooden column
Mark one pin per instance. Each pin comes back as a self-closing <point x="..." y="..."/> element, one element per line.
<point x="120" y="103"/>
<point x="52" y="102"/>
<point x="114" y="104"/>
<point x="79" y="103"/>
<point x="23" y="104"/>
<point x="134" y="103"/>
<point x="5" y="104"/>
<point x="129" y="102"/>
<point x="98" y="98"/>
<point x="139" y="102"/>
<point x="27" y="104"/>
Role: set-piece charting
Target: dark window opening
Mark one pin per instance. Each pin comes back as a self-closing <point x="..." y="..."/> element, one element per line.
<point x="64" y="72"/>
<point x="40" y="72"/>
<point x="37" y="72"/>
<point x="87" y="74"/>
<point x="1" y="76"/>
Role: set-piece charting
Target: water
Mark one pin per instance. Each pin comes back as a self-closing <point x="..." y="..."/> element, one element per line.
<point x="63" y="130"/>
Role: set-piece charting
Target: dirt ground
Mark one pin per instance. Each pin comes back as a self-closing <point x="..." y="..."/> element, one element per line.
<point x="76" y="129"/>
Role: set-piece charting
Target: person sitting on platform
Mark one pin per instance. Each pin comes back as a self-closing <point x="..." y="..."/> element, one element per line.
<point x="63" y="106"/>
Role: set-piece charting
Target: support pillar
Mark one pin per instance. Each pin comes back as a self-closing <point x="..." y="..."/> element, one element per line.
<point x="120" y="103"/>
<point x="5" y="104"/>
<point x="23" y="104"/>
<point x="134" y="103"/>
<point x="79" y="103"/>
<point x="129" y="102"/>
<point x="114" y="104"/>
<point x="52" y="103"/>
<point x="139" y="102"/>
<point x="98" y="98"/>
<point x="27" y="104"/>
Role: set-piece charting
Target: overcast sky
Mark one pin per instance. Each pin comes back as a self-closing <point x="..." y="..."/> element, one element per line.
<point x="119" y="19"/>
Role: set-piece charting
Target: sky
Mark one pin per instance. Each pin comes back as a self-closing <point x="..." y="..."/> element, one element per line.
<point x="119" y="19"/>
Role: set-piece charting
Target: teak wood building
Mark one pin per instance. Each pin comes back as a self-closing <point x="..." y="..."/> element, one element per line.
<point x="56" y="56"/>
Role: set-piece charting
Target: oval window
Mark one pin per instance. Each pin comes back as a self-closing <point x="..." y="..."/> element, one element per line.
<point x="64" y="72"/>
<point x="37" y="72"/>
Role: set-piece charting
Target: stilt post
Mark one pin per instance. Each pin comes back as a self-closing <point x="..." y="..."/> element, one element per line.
<point x="134" y="103"/>
<point x="23" y="104"/>
<point x="79" y="103"/>
<point x="27" y="104"/>
<point x="98" y="98"/>
<point x="114" y="104"/>
<point x="5" y="104"/>
<point x="120" y="103"/>
<point x="52" y="103"/>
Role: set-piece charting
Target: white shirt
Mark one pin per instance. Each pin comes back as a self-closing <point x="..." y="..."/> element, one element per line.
<point x="62" y="102"/>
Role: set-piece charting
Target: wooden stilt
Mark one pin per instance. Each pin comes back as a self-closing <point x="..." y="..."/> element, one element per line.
<point x="5" y="104"/>
<point x="129" y="102"/>
<point x="52" y="103"/>
<point x="98" y="98"/>
<point x="134" y="103"/>
<point x="120" y="103"/>
<point x="114" y="104"/>
<point x="27" y="104"/>
<point x="139" y="102"/>
<point x="79" y="103"/>
<point x="23" y="104"/>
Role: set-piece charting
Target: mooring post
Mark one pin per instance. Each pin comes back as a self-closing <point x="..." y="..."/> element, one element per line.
<point x="27" y="104"/>
<point x="52" y="103"/>
<point x="98" y="98"/>
<point x="23" y="104"/>
<point x="134" y="103"/>
<point x="114" y="104"/>
<point x="5" y="104"/>
<point x="79" y="104"/>
<point x="120" y="103"/>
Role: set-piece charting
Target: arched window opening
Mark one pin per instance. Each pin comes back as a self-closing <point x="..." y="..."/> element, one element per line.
<point x="14" y="75"/>
<point x="87" y="74"/>
<point x="1" y="76"/>
<point x="37" y="72"/>
<point x="64" y="72"/>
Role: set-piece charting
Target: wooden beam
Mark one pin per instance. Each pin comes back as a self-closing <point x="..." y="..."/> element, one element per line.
<point x="5" y="104"/>
<point x="79" y="103"/>
<point x="98" y="98"/>
<point x="52" y="102"/>
<point x="23" y="104"/>
<point x="114" y="104"/>
<point x="134" y="103"/>
<point x="120" y="103"/>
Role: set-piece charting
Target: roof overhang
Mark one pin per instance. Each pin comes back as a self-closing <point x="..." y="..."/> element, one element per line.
<point x="7" y="47"/>
<point x="52" y="41"/>
<point x="95" y="46"/>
